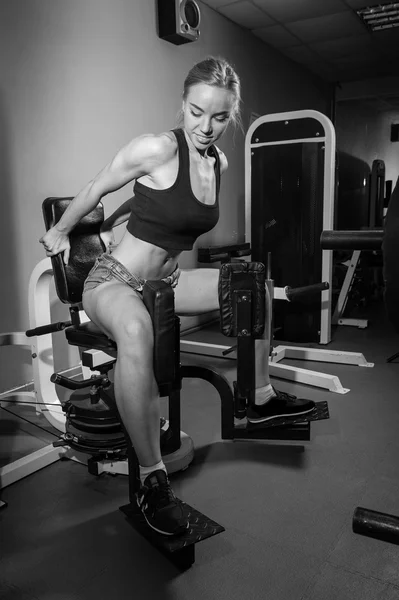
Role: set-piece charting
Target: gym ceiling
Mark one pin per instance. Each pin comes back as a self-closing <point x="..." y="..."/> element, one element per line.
<point x="328" y="38"/>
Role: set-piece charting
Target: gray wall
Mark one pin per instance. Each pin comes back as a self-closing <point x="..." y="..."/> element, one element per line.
<point x="79" y="78"/>
<point x="365" y="133"/>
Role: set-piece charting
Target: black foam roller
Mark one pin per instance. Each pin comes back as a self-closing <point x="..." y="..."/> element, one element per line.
<point x="380" y="526"/>
<point x="306" y="290"/>
<point x="363" y="239"/>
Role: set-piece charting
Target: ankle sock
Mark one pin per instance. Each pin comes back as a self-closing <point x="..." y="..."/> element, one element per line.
<point x="264" y="394"/>
<point x="145" y="471"/>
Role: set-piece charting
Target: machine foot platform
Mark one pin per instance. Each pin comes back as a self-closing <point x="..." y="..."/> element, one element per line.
<point x="178" y="549"/>
<point x="286" y="428"/>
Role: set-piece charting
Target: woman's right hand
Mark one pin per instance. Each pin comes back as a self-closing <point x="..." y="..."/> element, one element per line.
<point x="55" y="241"/>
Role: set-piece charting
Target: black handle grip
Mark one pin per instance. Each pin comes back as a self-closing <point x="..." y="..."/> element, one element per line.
<point x="229" y="350"/>
<point x="223" y="253"/>
<point x="51" y="328"/>
<point x="306" y="290"/>
<point x="72" y="384"/>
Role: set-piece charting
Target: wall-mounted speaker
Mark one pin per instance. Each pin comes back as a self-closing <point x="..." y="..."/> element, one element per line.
<point x="178" y="21"/>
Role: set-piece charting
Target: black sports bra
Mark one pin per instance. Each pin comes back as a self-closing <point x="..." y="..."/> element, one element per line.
<point x="174" y="218"/>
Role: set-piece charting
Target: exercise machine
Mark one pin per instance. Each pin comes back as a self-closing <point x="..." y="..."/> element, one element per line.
<point x="367" y="522"/>
<point x="289" y="200"/>
<point x="92" y="425"/>
<point x="363" y="192"/>
<point x="357" y="241"/>
<point x="238" y="253"/>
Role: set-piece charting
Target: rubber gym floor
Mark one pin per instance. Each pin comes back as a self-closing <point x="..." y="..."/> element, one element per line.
<point x="287" y="507"/>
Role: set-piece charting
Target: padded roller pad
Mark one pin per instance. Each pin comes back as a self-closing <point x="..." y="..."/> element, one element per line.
<point x="86" y="246"/>
<point x="367" y="239"/>
<point x="159" y="299"/>
<point x="242" y="276"/>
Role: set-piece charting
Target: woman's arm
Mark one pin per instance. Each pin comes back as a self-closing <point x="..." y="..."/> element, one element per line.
<point x="138" y="158"/>
<point x="141" y="157"/>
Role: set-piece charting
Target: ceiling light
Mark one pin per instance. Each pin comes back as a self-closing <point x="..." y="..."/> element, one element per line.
<point x="384" y="16"/>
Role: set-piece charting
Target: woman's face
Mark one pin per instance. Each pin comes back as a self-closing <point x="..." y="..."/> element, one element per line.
<point x="206" y="112"/>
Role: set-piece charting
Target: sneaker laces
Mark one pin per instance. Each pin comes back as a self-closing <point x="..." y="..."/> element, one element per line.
<point x="284" y="395"/>
<point x="164" y="492"/>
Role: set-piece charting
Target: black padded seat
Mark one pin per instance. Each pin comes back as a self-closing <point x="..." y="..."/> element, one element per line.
<point x="90" y="336"/>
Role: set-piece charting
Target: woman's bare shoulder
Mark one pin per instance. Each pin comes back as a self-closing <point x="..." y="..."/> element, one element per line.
<point x="222" y="159"/>
<point x="154" y="145"/>
<point x="151" y="149"/>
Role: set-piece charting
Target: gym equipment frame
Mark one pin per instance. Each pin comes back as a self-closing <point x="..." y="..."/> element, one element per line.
<point x="242" y="315"/>
<point x="328" y="139"/>
<point x="301" y="119"/>
<point x="42" y="394"/>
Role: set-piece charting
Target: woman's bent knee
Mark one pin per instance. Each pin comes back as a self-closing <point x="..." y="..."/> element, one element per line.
<point x="135" y="331"/>
<point x="119" y="312"/>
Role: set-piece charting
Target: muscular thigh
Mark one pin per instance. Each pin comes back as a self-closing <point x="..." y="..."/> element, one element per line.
<point x="116" y="309"/>
<point x="197" y="291"/>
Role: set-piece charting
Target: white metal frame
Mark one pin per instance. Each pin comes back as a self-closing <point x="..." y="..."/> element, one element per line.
<point x="293" y="373"/>
<point x="325" y="381"/>
<point x="328" y="192"/>
<point x="40" y="393"/>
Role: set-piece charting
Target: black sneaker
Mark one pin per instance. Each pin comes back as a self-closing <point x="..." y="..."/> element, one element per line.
<point x="281" y="405"/>
<point x="160" y="507"/>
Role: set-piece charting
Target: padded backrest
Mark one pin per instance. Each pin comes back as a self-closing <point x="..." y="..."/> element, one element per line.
<point x="390" y="249"/>
<point x="86" y="246"/>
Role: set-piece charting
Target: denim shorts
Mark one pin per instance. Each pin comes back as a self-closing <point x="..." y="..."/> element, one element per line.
<point x="108" y="268"/>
